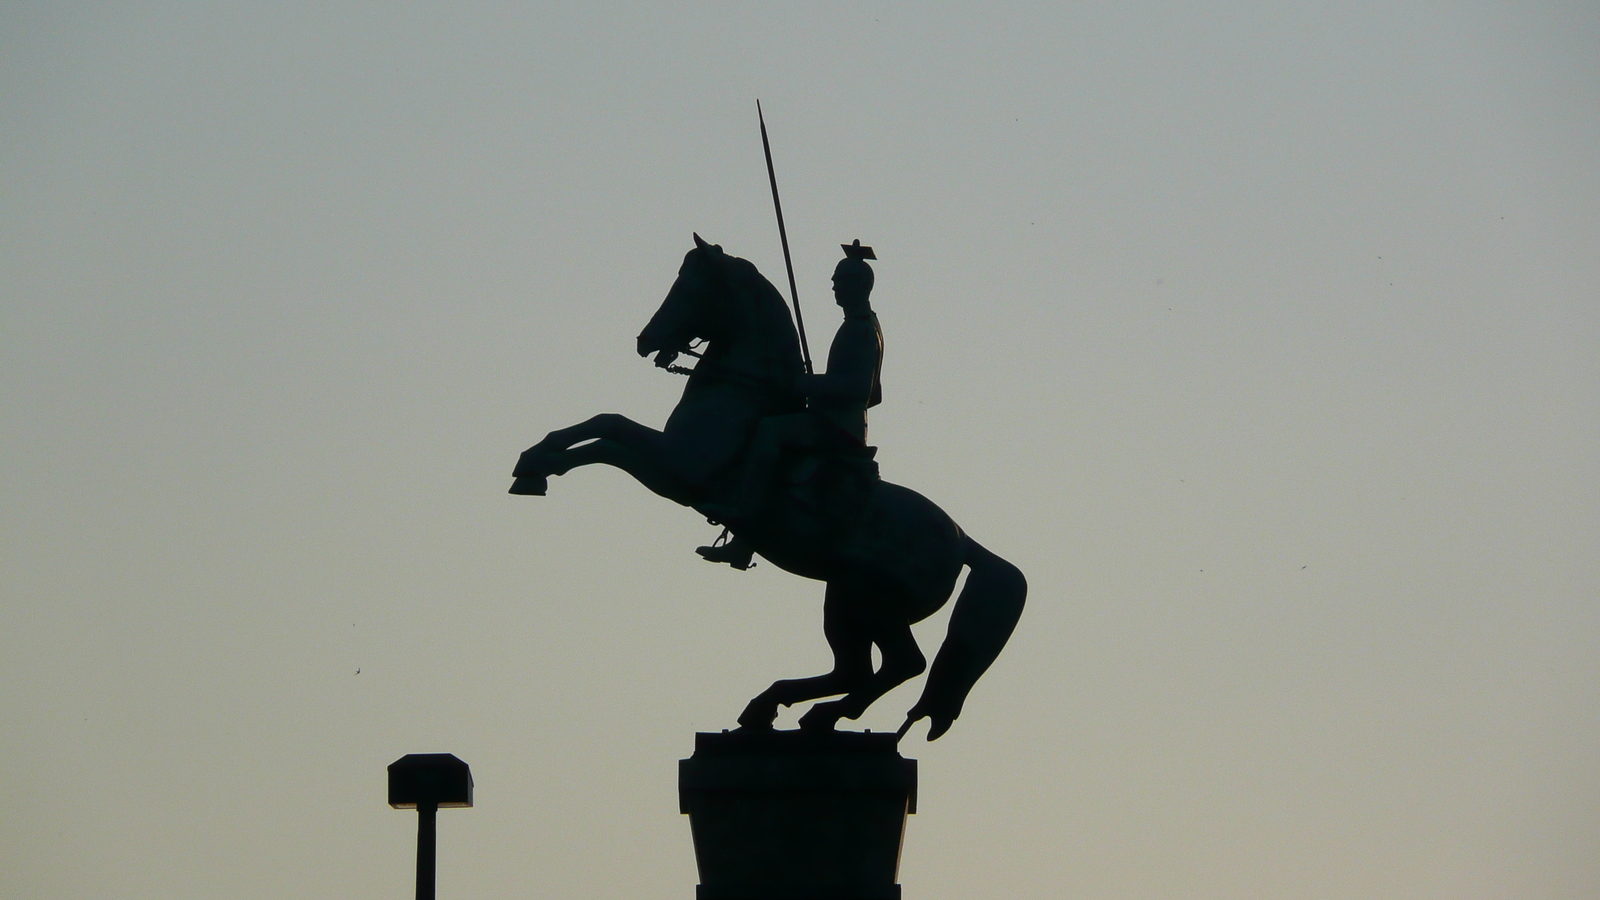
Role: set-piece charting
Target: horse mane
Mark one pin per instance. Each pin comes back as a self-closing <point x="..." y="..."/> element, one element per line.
<point x="758" y="297"/>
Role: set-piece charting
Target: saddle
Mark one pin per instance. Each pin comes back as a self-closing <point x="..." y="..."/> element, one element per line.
<point x="833" y="484"/>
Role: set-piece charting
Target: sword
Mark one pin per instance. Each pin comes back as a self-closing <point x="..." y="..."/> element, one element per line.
<point x="794" y="295"/>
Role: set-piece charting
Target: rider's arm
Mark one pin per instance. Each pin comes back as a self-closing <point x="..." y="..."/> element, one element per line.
<point x="852" y="363"/>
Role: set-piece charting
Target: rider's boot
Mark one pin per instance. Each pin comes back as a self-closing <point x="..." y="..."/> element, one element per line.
<point x="735" y="552"/>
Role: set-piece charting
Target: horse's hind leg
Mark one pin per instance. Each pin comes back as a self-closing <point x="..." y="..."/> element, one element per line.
<point x="902" y="661"/>
<point x="854" y="618"/>
<point x="850" y="639"/>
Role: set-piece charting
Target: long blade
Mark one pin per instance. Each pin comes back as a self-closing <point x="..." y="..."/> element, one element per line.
<point x="783" y="235"/>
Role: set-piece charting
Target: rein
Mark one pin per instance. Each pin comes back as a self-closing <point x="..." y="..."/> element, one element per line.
<point x="688" y="351"/>
<point x="727" y="374"/>
<point x="721" y="296"/>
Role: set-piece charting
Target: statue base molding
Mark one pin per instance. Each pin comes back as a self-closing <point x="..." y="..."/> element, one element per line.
<point x="791" y="815"/>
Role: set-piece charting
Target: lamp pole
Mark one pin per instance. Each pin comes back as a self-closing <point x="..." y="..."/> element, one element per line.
<point x="427" y="849"/>
<point x="425" y="782"/>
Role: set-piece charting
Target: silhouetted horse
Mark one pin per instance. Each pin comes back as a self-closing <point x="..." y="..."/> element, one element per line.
<point x="892" y="561"/>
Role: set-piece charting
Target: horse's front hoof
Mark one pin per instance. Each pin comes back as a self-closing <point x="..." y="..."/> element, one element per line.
<point x="534" y="461"/>
<point x="530" y="486"/>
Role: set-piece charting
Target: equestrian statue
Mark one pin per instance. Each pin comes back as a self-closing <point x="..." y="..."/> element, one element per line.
<point x="778" y="456"/>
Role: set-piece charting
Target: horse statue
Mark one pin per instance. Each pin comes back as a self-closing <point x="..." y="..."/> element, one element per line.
<point x="888" y="555"/>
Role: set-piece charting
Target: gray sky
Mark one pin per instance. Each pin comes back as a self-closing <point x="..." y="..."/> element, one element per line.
<point x="1262" y="336"/>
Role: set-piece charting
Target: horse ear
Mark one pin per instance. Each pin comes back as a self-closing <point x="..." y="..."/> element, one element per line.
<point x="700" y="242"/>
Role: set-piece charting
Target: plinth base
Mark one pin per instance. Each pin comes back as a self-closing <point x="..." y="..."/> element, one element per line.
<point x="702" y="893"/>
<point x="786" y="815"/>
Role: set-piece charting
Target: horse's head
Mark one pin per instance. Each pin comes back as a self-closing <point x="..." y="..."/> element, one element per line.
<point x="724" y="301"/>
<point x="693" y="307"/>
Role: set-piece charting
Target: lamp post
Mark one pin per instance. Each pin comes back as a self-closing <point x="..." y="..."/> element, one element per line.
<point x="425" y="782"/>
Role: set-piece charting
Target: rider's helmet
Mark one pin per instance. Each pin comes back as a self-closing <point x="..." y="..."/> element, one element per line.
<point x="853" y="271"/>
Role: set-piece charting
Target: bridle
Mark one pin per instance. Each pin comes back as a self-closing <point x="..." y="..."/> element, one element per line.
<point x="688" y="350"/>
<point x="718" y="283"/>
<point x="721" y="294"/>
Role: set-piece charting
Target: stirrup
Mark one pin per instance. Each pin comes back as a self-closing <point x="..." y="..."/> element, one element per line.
<point x="728" y="550"/>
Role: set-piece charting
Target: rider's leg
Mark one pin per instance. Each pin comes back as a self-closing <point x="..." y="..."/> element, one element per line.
<point x="851" y="642"/>
<point x="774" y="436"/>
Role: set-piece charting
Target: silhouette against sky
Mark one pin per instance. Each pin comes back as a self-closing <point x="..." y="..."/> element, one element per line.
<point x="778" y="454"/>
<point x="1260" y="336"/>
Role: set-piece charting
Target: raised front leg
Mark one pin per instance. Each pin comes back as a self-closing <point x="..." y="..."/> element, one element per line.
<point x="612" y="439"/>
<point x="612" y="426"/>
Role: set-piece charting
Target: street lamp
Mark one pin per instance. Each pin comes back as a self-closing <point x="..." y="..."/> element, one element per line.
<point x="425" y="782"/>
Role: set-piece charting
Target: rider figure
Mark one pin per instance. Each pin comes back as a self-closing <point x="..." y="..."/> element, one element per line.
<point x="835" y="420"/>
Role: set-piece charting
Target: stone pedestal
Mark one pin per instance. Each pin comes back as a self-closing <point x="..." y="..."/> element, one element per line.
<point x="784" y="815"/>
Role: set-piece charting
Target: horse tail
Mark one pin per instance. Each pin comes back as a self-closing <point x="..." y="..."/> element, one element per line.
<point x="985" y="614"/>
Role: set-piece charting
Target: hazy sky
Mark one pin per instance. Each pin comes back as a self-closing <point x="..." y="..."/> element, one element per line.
<point x="1264" y="337"/>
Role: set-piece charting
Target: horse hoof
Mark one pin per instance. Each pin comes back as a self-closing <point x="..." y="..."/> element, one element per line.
<point x="530" y="485"/>
<point x="820" y="718"/>
<point x="758" y="715"/>
<point x="534" y="462"/>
